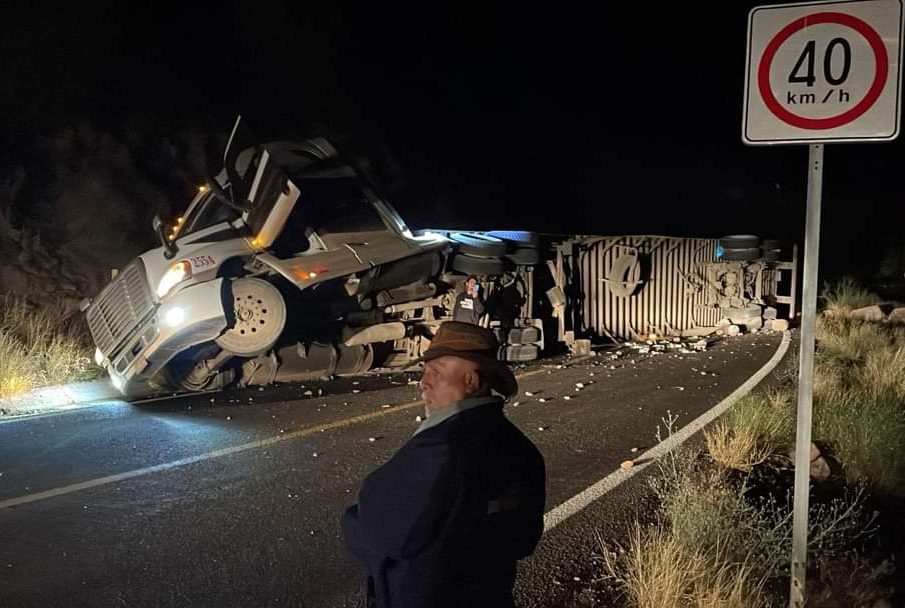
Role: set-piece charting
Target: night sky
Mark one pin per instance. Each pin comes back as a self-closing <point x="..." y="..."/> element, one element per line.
<point x="615" y="120"/>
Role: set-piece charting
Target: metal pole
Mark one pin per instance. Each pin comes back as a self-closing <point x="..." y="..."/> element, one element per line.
<point x="806" y="379"/>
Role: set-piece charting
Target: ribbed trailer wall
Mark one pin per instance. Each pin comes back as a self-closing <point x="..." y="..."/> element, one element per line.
<point x="667" y="301"/>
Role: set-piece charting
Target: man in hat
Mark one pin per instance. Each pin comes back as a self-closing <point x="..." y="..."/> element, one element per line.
<point x="444" y="521"/>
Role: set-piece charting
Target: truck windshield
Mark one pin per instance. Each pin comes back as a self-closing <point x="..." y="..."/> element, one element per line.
<point x="204" y="211"/>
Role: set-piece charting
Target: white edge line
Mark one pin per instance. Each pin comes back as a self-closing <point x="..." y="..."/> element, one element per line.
<point x="559" y="514"/>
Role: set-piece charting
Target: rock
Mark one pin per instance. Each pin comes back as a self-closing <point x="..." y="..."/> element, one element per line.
<point x="780" y="325"/>
<point x="752" y="324"/>
<point x="868" y="313"/>
<point x="820" y="468"/>
<point x="732" y="330"/>
<point x="897" y="315"/>
<point x="627" y="464"/>
<point x="769" y="313"/>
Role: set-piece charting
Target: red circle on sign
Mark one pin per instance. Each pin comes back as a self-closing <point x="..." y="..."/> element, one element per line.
<point x="876" y="87"/>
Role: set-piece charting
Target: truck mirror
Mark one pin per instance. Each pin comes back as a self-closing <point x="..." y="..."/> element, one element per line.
<point x="169" y="247"/>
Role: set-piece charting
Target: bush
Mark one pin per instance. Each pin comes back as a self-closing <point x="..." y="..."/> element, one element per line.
<point x="648" y="575"/>
<point x="16" y="371"/>
<point x="706" y="511"/>
<point x="846" y="295"/>
<point x="864" y="430"/>
<point x="41" y="346"/>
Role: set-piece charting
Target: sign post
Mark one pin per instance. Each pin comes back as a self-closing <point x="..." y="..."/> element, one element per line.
<point x="817" y="73"/>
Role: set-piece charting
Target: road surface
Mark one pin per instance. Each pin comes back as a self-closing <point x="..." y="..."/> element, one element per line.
<point x="234" y="499"/>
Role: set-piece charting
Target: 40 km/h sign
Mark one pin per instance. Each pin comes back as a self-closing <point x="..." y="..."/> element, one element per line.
<point x="823" y="72"/>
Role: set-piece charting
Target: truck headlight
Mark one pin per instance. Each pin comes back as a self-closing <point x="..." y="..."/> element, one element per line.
<point x="177" y="273"/>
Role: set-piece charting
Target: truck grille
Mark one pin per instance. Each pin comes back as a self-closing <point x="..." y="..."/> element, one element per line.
<point x="119" y="307"/>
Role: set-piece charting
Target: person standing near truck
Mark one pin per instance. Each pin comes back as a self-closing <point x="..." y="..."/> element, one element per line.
<point x="469" y="306"/>
<point x="444" y="521"/>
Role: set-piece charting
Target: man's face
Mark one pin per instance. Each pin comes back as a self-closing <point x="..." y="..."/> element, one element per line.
<point x="447" y="379"/>
<point x="471" y="288"/>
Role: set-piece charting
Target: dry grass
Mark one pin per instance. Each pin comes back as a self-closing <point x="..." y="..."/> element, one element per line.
<point x="864" y="431"/>
<point x="757" y="427"/>
<point x="16" y="371"/>
<point x="740" y="450"/>
<point x="659" y="571"/>
<point x="41" y="346"/>
<point x="882" y="372"/>
<point x="846" y="295"/>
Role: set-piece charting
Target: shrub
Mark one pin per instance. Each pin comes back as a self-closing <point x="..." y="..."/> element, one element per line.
<point x="846" y="295"/>
<point x="864" y="431"/>
<point x="738" y="450"/>
<point x="16" y="371"/>
<point x="659" y="571"/>
<point x="708" y="512"/>
<point x="40" y="346"/>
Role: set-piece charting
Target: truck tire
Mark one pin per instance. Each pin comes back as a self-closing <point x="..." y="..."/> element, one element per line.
<point x="469" y="264"/>
<point x="522" y="352"/>
<point x="519" y="238"/>
<point x="256" y="320"/>
<point x="482" y="245"/>
<point x="741" y="255"/>
<point x="739" y="241"/>
<point x="523" y="335"/>
<point x="771" y="255"/>
<point x="524" y="256"/>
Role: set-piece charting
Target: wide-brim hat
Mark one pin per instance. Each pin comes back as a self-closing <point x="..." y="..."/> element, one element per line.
<point x="474" y="343"/>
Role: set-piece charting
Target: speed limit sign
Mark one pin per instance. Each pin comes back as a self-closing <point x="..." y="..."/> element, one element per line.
<point x="823" y="72"/>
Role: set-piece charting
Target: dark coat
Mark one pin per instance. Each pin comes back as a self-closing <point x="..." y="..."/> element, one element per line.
<point x="468" y="309"/>
<point x="444" y="521"/>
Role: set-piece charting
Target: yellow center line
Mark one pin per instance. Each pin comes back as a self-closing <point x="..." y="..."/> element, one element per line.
<point x="101" y="481"/>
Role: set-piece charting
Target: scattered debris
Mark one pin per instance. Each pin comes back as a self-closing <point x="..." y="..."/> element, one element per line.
<point x="627" y="464"/>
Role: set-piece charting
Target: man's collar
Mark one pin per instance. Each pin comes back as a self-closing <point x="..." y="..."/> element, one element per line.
<point x="443" y="414"/>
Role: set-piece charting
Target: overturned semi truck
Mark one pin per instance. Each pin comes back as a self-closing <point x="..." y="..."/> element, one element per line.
<point x="289" y="265"/>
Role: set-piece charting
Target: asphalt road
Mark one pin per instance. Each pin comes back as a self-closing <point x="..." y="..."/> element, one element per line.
<point x="233" y="499"/>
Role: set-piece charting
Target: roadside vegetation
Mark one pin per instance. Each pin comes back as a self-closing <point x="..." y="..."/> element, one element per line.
<point x="41" y="346"/>
<point x="723" y="530"/>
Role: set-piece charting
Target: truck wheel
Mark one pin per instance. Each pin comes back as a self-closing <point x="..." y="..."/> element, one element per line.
<point x="739" y="241"/>
<point x="520" y="238"/>
<point x="482" y="245"/>
<point x="257" y="320"/>
<point x="524" y="256"/>
<point x="469" y="264"/>
<point x="523" y="335"/>
<point x="741" y="255"/>
<point x="522" y="352"/>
